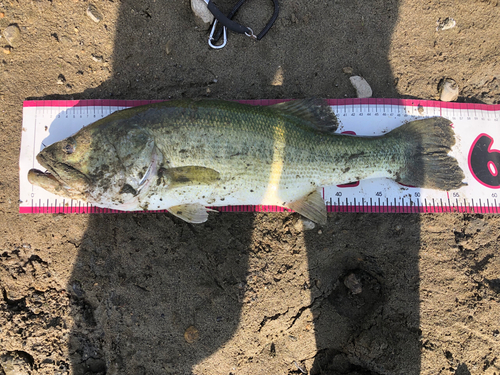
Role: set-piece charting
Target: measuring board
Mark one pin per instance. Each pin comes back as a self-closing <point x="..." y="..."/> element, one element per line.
<point x="477" y="128"/>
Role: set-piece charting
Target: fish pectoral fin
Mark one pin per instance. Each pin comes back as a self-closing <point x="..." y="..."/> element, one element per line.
<point x="311" y="206"/>
<point x="193" y="213"/>
<point x="189" y="175"/>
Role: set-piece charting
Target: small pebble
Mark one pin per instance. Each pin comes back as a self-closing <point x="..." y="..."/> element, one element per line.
<point x="192" y="334"/>
<point x="7" y="50"/>
<point x="2" y="14"/>
<point x="363" y="89"/>
<point x="308" y="224"/>
<point x="168" y="47"/>
<point x="13" y="35"/>
<point x="65" y="39"/>
<point x="304" y="224"/>
<point x="97" y="58"/>
<point x="94" y="14"/>
<point x="61" y="79"/>
<point x="353" y="284"/>
<point x="448" y="23"/>
<point x="448" y="90"/>
<point x="348" y="70"/>
<point x="200" y="10"/>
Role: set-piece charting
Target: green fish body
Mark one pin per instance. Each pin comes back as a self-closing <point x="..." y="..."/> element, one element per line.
<point x="187" y="155"/>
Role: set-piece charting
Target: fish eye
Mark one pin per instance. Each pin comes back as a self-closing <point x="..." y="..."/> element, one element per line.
<point x="70" y="146"/>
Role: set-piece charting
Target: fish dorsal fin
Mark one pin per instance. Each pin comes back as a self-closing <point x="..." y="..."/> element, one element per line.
<point x="311" y="206"/>
<point x="189" y="175"/>
<point x="194" y="213"/>
<point x="316" y="112"/>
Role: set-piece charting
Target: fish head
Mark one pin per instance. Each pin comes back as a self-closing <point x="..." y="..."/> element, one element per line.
<point x="104" y="164"/>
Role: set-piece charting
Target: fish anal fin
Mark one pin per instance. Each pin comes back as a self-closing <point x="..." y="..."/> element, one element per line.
<point x="311" y="206"/>
<point x="188" y="176"/>
<point x="316" y="113"/>
<point x="193" y="213"/>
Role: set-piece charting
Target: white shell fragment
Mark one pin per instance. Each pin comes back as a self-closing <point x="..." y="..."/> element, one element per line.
<point x="447" y="23"/>
<point x="200" y="9"/>
<point x="13" y="35"/>
<point x="363" y="89"/>
<point x="448" y="90"/>
<point x="94" y="14"/>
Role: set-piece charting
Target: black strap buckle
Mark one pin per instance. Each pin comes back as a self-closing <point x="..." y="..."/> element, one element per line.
<point x="227" y="22"/>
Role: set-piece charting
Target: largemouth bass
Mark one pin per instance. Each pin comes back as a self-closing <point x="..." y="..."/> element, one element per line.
<point x="188" y="155"/>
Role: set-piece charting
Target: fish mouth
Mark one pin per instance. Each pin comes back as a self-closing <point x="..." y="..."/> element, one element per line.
<point x="59" y="178"/>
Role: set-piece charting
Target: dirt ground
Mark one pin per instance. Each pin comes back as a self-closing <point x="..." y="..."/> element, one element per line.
<point x="245" y="293"/>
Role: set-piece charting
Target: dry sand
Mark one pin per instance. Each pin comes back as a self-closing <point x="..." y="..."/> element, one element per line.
<point x="245" y="293"/>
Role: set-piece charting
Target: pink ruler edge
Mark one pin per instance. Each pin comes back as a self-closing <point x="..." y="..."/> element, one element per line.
<point x="335" y="102"/>
<point x="250" y="208"/>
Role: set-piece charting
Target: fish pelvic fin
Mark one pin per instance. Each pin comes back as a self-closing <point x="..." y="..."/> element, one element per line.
<point x="427" y="164"/>
<point x="194" y="213"/>
<point x="316" y="113"/>
<point x="311" y="206"/>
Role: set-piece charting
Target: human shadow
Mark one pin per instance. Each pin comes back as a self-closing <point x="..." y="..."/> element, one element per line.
<point x="155" y="295"/>
<point x="144" y="281"/>
<point x="365" y="299"/>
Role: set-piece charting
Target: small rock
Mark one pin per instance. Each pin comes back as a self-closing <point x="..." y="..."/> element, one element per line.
<point x="2" y="14"/>
<point x="168" y="47"/>
<point x="304" y="224"/>
<point x="7" y="50"/>
<point x="448" y="23"/>
<point x="61" y="79"/>
<point x="192" y="334"/>
<point x="13" y="35"/>
<point x="363" y="89"/>
<point x="353" y="284"/>
<point x="200" y="9"/>
<point x="308" y="224"/>
<point x="65" y="39"/>
<point x="448" y="90"/>
<point x="77" y="288"/>
<point x="278" y="77"/>
<point x="94" y="14"/>
<point x="97" y="58"/>
<point x="348" y="70"/>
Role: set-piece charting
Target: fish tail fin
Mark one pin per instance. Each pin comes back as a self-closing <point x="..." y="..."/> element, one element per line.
<point x="427" y="164"/>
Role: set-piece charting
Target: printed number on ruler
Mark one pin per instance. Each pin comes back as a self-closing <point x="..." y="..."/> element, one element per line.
<point x="484" y="161"/>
